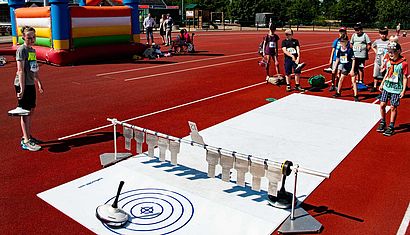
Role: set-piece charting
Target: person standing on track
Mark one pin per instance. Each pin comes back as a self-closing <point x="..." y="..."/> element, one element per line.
<point x="379" y="47"/>
<point x="393" y="87"/>
<point x="169" y="22"/>
<point x="291" y="50"/>
<point x="270" y="49"/>
<point x="361" y="44"/>
<point x="398" y="29"/>
<point x="345" y="62"/>
<point x="162" y="28"/>
<point x="26" y="76"/>
<point x="149" y="24"/>
<point x="332" y="60"/>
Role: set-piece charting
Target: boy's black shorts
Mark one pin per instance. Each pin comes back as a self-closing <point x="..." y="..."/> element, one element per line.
<point x="28" y="101"/>
<point x="359" y="64"/>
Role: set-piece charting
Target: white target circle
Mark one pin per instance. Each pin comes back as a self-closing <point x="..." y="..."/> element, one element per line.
<point x="153" y="211"/>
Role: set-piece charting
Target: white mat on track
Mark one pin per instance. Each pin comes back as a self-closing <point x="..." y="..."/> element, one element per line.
<point x="314" y="132"/>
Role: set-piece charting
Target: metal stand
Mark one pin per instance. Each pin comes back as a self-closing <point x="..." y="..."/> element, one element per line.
<point x="301" y="223"/>
<point x="107" y="159"/>
<point x="299" y="220"/>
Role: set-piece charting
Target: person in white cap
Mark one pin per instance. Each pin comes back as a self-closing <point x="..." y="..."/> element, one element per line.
<point x="291" y="50"/>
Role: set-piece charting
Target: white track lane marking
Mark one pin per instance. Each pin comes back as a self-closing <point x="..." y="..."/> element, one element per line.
<point x="166" y="65"/>
<point x="164" y="110"/>
<point x="405" y="222"/>
<point x="190" y="61"/>
<point x="202" y="67"/>
<point x="179" y="106"/>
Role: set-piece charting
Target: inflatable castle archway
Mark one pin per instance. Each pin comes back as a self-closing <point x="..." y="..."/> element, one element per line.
<point x="74" y="34"/>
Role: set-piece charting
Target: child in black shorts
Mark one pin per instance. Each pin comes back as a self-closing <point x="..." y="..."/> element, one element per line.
<point x="291" y="50"/>
<point x="26" y="76"/>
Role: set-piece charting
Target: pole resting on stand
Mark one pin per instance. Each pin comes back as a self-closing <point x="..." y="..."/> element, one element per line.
<point x="283" y="199"/>
<point x="107" y="159"/>
<point x="299" y="220"/>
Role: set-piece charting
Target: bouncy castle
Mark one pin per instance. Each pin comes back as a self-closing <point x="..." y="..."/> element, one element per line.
<point x="74" y="34"/>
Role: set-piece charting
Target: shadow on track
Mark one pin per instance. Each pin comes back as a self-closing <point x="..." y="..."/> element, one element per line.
<point x="323" y="210"/>
<point x="59" y="146"/>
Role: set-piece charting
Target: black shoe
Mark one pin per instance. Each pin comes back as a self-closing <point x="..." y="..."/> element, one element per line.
<point x="288" y="88"/>
<point x="389" y="131"/>
<point x="373" y="89"/>
<point x="356" y="99"/>
<point x="298" y="88"/>
<point x="337" y="94"/>
<point x="332" y="88"/>
<point x="382" y="127"/>
<point x="36" y="141"/>
<point x="33" y="140"/>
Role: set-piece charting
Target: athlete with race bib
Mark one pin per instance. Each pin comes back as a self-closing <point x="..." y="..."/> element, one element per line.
<point x="345" y="62"/>
<point x="361" y="45"/>
<point x="291" y="50"/>
<point x="379" y="47"/>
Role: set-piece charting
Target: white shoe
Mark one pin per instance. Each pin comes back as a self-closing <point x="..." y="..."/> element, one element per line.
<point x="299" y="67"/>
<point x="30" y="146"/>
<point x="328" y="70"/>
<point x="18" y="112"/>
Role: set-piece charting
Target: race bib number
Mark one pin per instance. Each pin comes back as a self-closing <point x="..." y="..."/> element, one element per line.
<point x="381" y="51"/>
<point x="357" y="48"/>
<point x="291" y="50"/>
<point x="32" y="60"/>
<point x="394" y="77"/>
<point x="272" y="45"/>
<point x="32" y="56"/>
<point x="343" y="59"/>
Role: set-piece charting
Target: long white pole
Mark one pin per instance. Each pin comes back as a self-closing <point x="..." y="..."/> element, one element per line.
<point x="208" y="147"/>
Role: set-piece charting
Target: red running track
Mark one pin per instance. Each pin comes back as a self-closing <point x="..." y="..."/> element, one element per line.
<point x="366" y="194"/>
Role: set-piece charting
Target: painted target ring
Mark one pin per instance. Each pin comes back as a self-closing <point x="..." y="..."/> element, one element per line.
<point x="153" y="211"/>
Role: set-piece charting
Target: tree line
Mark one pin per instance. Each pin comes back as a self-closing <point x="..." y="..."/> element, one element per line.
<point x="371" y="13"/>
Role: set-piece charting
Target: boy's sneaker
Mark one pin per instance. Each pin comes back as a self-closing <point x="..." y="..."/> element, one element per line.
<point x="382" y="127"/>
<point x="288" y="88"/>
<point x="18" y="112"/>
<point x="337" y="94"/>
<point x="298" y="88"/>
<point x="389" y="131"/>
<point x="32" y="139"/>
<point x="332" y="88"/>
<point x="299" y="67"/>
<point x="30" y="146"/>
<point x="328" y="70"/>
<point x="356" y="99"/>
